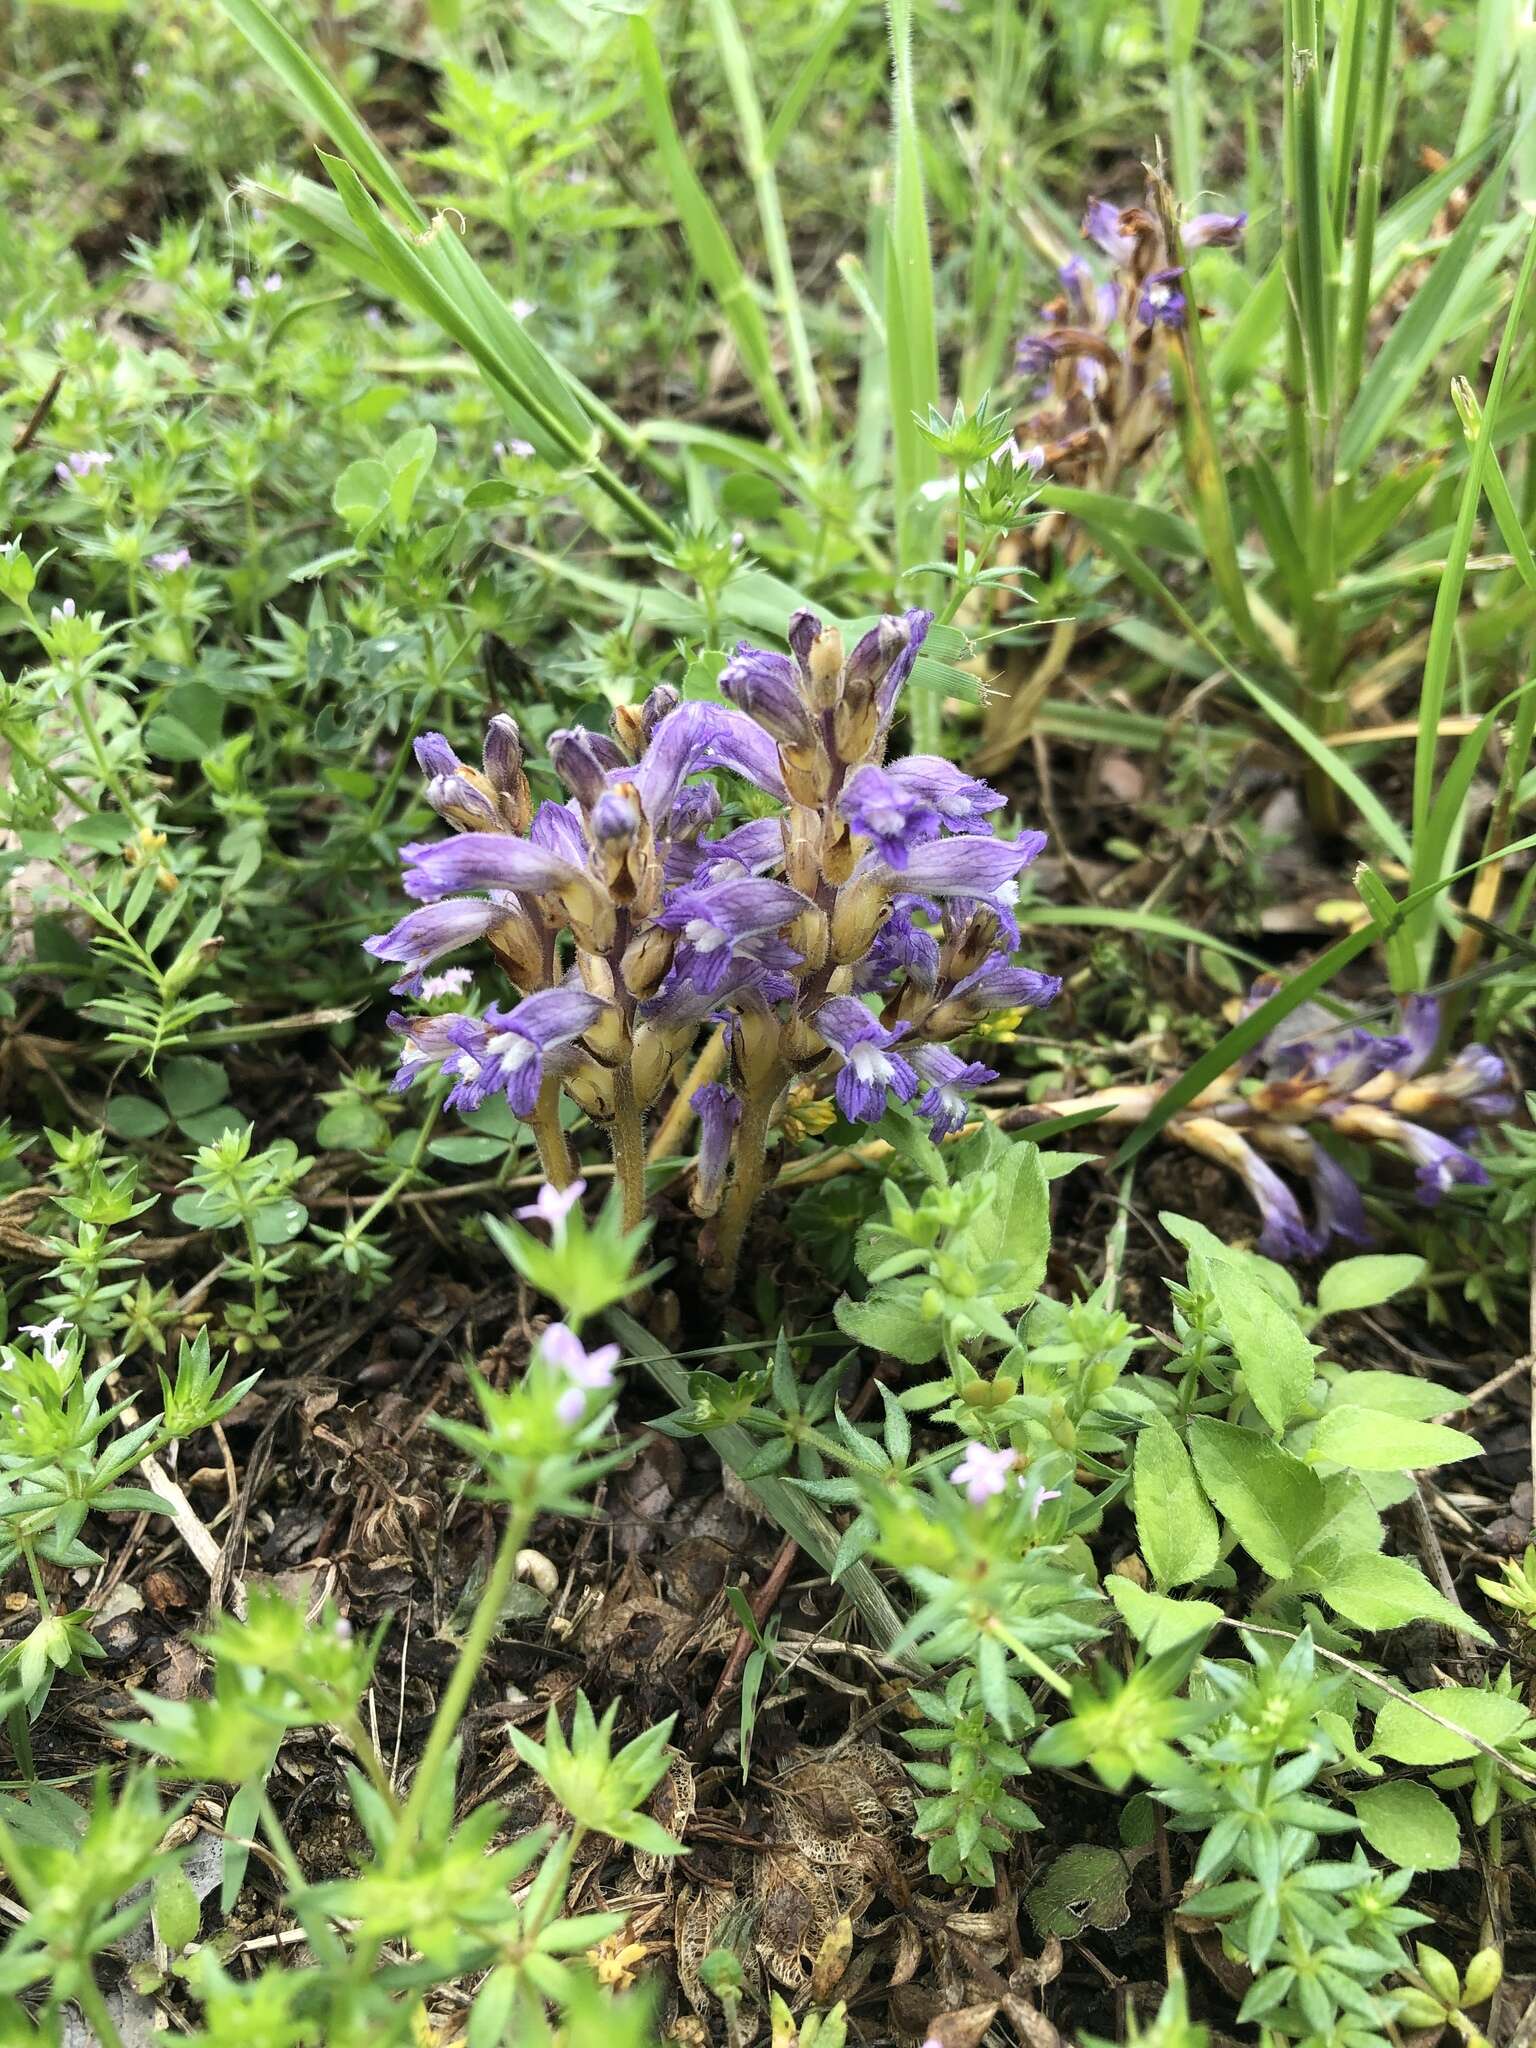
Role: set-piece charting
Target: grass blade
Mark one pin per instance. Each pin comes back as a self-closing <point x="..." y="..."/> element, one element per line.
<point x="758" y="159"/>
<point x="714" y="254"/>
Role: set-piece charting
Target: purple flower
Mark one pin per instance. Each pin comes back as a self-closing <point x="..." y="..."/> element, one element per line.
<point x="507" y="1049"/>
<point x="894" y="816"/>
<point x="1478" y="1079"/>
<point x="584" y="761"/>
<point x="502" y="753"/>
<point x="482" y="860"/>
<point x="1336" y="1202"/>
<point x="959" y="799"/>
<point x="749" y="850"/>
<point x="901" y="946"/>
<point x="698" y="736"/>
<point x="435" y="757"/>
<point x="1440" y="1161"/>
<point x="983" y="1472"/>
<point x="724" y="923"/>
<point x="1161" y="303"/>
<point x="1076" y="277"/>
<point x="1101" y="224"/>
<point x="697" y="806"/>
<point x="557" y="830"/>
<point x="1214" y="230"/>
<point x="970" y="865"/>
<point x="616" y="820"/>
<point x="917" y="621"/>
<point x="427" y="1043"/>
<point x="996" y="985"/>
<point x="1420" y="1019"/>
<point x="719" y="1112"/>
<point x="553" y="1206"/>
<point x="425" y="935"/>
<point x="870" y="1070"/>
<point x="170" y="560"/>
<point x="1035" y="355"/>
<point x="767" y="687"/>
<point x="948" y="1077"/>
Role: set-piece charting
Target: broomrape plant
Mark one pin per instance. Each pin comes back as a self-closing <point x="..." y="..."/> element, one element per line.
<point x="624" y="923"/>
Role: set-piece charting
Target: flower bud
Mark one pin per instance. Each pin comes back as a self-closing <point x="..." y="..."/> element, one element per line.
<point x="628" y="731"/>
<point x="608" y="1039"/>
<point x="860" y="910"/>
<point x="763" y="685"/>
<point x="646" y="960"/>
<point x="809" y="937"/>
<point x="583" y="761"/>
<point x="592" y="1090"/>
<point x="826" y="669"/>
<point x="463" y="802"/>
<point x="503" y="754"/>
<point x="650" y="1065"/>
<point x="519" y="949"/>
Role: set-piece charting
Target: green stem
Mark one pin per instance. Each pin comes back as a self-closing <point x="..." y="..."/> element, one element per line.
<point x="97" y="745"/>
<point x="627" y="1136"/>
<point x="450" y="1709"/>
<point x="747" y="1182"/>
<point x="93" y="2008"/>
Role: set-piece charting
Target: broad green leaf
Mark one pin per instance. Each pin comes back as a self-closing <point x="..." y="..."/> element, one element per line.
<point x="1271" y="1501"/>
<point x="1017" y="1226"/>
<point x="135" y="1116"/>
<point x="192" y="1083"/>
<point x="408" y="461"/>
<point x="890" y="1325"/>
<point x="177" y="1914"/>
<point x="1395" y="1393"/>
<point x="1366" y="1282"/>
<point x="1175" y="1523"/>
<point x="1370" y="1440"/>
<point x="360" y="495"/>
<point x="1409" y="1825"/>
<point x="1277" y="1360"/>
<point x="1156" y="1620"/>
<point x="1378" y="1592"/>
<point x="1409" y="1737"/>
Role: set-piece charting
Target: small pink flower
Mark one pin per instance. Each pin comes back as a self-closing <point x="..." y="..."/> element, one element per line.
<point x="552" y="1206"/>
<point x="273" y="281"/>
<point x="451" y="982"/>
<point x="983" y="1472"/>
<point x="523" y="308"/>
<point x="50" y="1339"/>
<point x="244" y="288"/>
<point x="170" y="560"/>
<point x="592" y="1371"/>
<point x="63" y="611"/>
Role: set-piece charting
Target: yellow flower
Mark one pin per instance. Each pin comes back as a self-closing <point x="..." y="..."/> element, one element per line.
<point x="614" y="1961"/>
<point x="805" y="1117"/>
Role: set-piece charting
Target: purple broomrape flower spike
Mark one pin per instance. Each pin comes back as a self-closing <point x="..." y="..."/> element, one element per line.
<point x="509" y="1048"/>
<point x="1162" y="304"/>
<point x="968" y="865"/>
<point x="482" y="860"/>
<point x="424" y="935"/>
<point x="870" y="1069"/>
<point x="893" y="815"/>
<point x="1214" y="230"/>
<point x="719" y="1112"/>
<point x="725" y="923"/>
<point x="948" y="1077"/>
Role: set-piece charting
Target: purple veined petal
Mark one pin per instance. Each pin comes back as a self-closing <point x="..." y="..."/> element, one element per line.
<point x="1034" y="355"/>
<point x="971" y="864"/>
<point x="1076" y="277"/>
<point x="917" y="623"/>
<point x="1284" y="1234"/>
<point x="1161" y="303"/>
<point x="434" y="756"/>
<point x="483" y="860"/>
<point x="719" y="1112"/>
<point x="750" y="849"/>
<point x="659" y="704"/>
<point x="844" y="1022"/>
<point x="901" y="946"/>
<point x="697" y="806"/>
<point x="557" y="829"/>
<point x="684" y="999"/>
<point x="514" y="1042"/>
<point x="740" y="744"/>
<point x="1336" y="1201"/>
<point x="584" y="761"/>
<point x="959" y="799"/>
<point x="1214" y="230"/>
<point x="676" y="751"/>
<point x="457" y="799"/>
<point x="719" y="913"/>
<point x="1101" y="224"/>
<point x="425" y="935"/>
<point x="766" y="687"/>
<point x="870" y="1070"/>
<point x="948" y="1079"/>
<point x="426" y="1042"/>
<point x="805" y="630"/>
<point x="996" y="985"/>
<point x="874" y="652"/>
<point x="893" y="816"/>
<point x="1441" y="1163"/>
<point x="1420" y="1021"/>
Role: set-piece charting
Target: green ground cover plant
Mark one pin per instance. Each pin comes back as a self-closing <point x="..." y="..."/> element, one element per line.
<point x="765" y="998"/>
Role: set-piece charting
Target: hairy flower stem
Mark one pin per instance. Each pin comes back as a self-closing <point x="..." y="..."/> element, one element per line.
<point x="554" y="1151"/>
<point x="747" y="1182"/>
<point x="627" y="1136"/>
